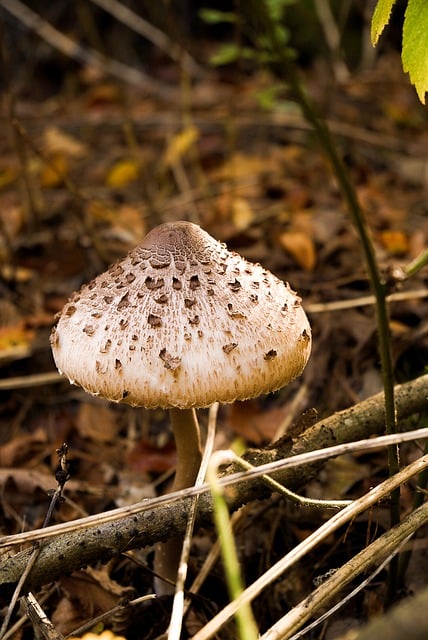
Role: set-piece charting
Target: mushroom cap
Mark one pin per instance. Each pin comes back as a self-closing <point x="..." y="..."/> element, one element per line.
<point x="182" y="322"/>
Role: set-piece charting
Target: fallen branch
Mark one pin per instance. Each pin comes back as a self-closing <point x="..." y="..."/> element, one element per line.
<point x="103" y="540"/>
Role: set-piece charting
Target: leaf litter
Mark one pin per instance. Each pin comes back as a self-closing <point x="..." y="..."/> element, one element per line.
<point x="93" y="181"/>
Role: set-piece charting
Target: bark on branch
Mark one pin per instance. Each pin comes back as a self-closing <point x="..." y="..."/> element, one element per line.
<point x="101" y="542"/>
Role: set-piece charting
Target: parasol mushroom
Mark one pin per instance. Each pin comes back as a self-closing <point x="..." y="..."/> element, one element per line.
<point x="181" y="323"/>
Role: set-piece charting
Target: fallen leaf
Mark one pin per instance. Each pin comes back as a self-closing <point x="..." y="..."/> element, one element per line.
<point x="20" y="449"/>
<point x="8" y="175"/>
<point x="395" y="242"/>
<point x="122" y="173"/>
<point x="90" y="592"/>
<point x="146" y="458"/>
<point x="97" y="422"/>
<point x="105" y="635"/>
<point x="12" y="218"/>
<point x="52" y="175"/>
<point x="180" y="144"/>
<point x="301" y="247"/>
<point x="242" y="214"/>
<point x="56" y="142"/>
<point x="17" y="336"/>
<point x="254" y="422"/>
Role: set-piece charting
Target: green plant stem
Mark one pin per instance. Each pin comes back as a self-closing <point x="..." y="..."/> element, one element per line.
<point x="260" y="19"/>
<point x="247" y="627"/>
<point x="417" y="264"/>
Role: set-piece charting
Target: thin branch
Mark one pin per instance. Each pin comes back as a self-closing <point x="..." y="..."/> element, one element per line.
<point x="137" y="23"/>
<point x="99" y="538"/>
<point x="87" y="56"/>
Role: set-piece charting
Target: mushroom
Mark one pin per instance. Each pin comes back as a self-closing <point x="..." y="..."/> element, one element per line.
<point x="181" y="323"/>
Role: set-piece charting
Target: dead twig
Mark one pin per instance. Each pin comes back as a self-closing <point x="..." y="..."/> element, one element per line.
<point x="87" y="56"/>
<point x="101" y="537"/>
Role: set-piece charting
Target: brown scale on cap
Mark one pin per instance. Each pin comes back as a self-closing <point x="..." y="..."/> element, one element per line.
<point x="182" y="322"/>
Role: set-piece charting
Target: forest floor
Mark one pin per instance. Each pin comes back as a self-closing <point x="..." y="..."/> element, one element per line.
<point x="85" y="173"/>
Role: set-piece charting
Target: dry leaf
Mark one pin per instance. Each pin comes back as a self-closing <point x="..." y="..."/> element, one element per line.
<point x="145" y="458"/>
<point x="301" y="247"/>
<point x="105" y="635"/>
<point x="395" y="242"/>
<point x="254" y="422"/>
<point x="100" y="94"/>
<point x="122" y="173"/>
<point x="241" y="165"/>
<point x="89" y="592"/>
<point x="53" y="174"/>
<point x="12" y="218"/>
<point x="100" y="211"/>
<point x="242" y="214"/>
<point x="131" y="219"/>
<point x="97" y="422"/>
<point x="56" y="142"/>
<point x="8" y="175"/>
<point x="180" y="144"/>
<point x="17" y="336"/>
<point x="20" y="450"/>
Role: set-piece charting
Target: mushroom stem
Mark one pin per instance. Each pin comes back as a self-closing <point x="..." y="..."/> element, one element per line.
<point x="187" y="441"/>
<point x="185" y="427"/>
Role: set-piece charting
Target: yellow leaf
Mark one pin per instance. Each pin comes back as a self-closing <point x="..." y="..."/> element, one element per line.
<point x="180" y="144"/>
<point x="299" y="245"/>
<point x="56" y="141"/>
<point x="17" y="336"/>
<point x="8" y="175"/>
<point x="242" y="214"/>
<point x="100" y="211"/>
<point x="52" y="175"/>
<point x="122" y="173"/>
<point x="395" y="242"/>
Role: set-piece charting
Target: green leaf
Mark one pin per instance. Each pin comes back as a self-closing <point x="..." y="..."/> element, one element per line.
<point x="415" y="45"/>
<point x="213" y="16"/>
<point x="229" y="53"/>
<point x="380" y="19"/>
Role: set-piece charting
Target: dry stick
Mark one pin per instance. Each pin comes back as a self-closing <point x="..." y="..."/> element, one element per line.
<point x="126" y="16"/>
<point x="333" y="39"/>
<point x="41" y="624"/>
<point x="33" y="380"/>
<point x="13" y="630"/>
<point x="149" y="521"/>
<point x="99" y="537"/>
<point x="407" y="620"/>
<point x="362" y="585"/>
<point x="61" y="476"/>
<point x="288" y="468"/>
<point x="106" y="615"/>
<point x="336" y="521"/>
<point x="72" y="49"/>
<point x="371" y="555"/>
<point x="359" y="421"/>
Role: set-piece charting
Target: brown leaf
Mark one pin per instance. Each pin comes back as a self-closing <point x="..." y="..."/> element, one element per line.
<point x="97" y="422"/>
<point x="89" y="592"/>
<point x="255" y="423"/>
<point x="301" y="246"/>
<point x="21" y="448"/>
<point x="145" y="458"/>
<point x="56" y="141"/>
<point x="52" y="175"/>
